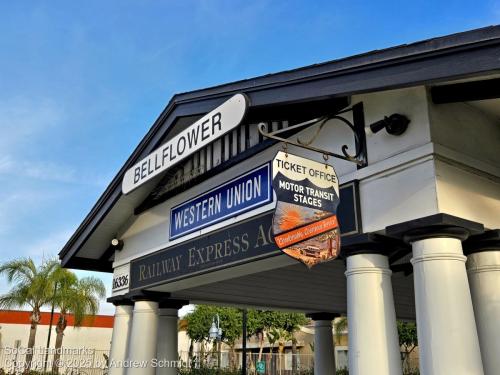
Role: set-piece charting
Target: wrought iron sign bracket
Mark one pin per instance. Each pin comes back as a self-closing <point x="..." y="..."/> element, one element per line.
<point x="357" y="126"/>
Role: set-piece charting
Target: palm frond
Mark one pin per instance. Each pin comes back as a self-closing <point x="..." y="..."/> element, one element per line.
<point x="340" y="326"/>
<point x="19" y="271"/>
<point x="78" y="297"/>
<point x="12" y="299"/>
<point x="34" y="285"/>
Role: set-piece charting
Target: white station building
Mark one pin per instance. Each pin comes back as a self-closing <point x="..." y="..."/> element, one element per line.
<point x="419" y="211"/>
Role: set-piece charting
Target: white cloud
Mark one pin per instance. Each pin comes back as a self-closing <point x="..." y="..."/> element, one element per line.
<point x="38" y="170"/>
<point x="6" y="163"/>
<point x="24" y="122"/>
<point x="49" y="171"/>
<point x="42" y="170"/>
<point x="186" y="310"/>
<point x="49" y="246"/>
<point x="22" y="119"/>
<point x="15" y="205"/>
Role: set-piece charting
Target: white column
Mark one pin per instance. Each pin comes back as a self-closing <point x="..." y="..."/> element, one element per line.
<point x="120" y="339"/>
<point x="483" y="269"/>
<point x="324" y="350"/>
<point x="142" y="347"/>
<point x="167" y="351"/>
<point x="373" y="335"/>
<point x="447" y="335"/>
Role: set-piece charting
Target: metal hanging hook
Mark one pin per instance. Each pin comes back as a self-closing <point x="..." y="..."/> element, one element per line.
<point x="285" y="149"/>
<point x="357" y="128"/>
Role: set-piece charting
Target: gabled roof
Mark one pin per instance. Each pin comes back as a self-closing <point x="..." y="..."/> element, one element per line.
<point x="442" y="59"/>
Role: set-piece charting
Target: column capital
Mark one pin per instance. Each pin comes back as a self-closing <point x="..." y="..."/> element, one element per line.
<point x="120" y="301"/>
<point x="322" y="316"/>
<point x="172" y="304"/>
<point x="372" y="243"/>
<point x="146" y="295"/>
<point x="434" y="226"/>
<point x="487" y="241"/>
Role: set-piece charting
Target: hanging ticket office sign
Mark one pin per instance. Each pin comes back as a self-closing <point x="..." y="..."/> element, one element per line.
<point x="305" y="224"/>
<point x="204" y="131"/>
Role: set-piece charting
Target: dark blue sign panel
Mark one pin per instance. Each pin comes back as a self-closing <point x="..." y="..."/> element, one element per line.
<point x="244" y="193"/>
<point x="233" y="245"/>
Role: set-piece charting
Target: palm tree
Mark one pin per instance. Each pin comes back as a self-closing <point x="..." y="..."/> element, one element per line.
<point x="295" y="365"/>
<point x="340" y="325"/>
<point x="79" y="298"/>
<point x="33" y="287"/>
<point x="279" y="336"/>
<point x="272" y="338"/>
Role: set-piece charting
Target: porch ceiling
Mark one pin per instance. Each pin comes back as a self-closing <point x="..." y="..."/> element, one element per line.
<point x="321" y="289"/>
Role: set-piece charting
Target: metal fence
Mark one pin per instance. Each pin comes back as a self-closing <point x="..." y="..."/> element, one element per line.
<point x="95" y="362"/>
<point x="271" y="363"/>
<point x="78" y="361"/>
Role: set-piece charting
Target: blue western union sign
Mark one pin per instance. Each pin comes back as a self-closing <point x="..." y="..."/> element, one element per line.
<point x="244" y="193"/>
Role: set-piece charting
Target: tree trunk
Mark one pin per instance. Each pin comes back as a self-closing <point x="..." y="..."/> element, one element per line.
<point x="60" y="327"/>
<point x="31" y="344"/>
<point x="281" y="349"/>
<point x="294" y="356"/>
<point x="35" y="320"/>
<point x="190" y="351"/>
<point x="251" y="363"/>
<point x="261" y="345"/>
<point x="202" y="353"/>
<point x="232" y="357"/>
<point x="219" y="354"/>
<point x="270" y="364"/>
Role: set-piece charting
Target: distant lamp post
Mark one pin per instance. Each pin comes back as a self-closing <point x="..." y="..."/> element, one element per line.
<point x="215" y="334"/>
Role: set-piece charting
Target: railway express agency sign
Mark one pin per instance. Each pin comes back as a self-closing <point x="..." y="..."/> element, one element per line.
<point x="203" y="132"/>
<point x="305" y="224"/>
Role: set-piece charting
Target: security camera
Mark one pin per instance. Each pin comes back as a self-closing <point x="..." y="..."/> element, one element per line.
<point x="395" y="124"/>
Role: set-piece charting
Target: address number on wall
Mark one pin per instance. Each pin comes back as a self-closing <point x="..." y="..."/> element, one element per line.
<point x="120" y="282"/>
<point x="121" y="278"/>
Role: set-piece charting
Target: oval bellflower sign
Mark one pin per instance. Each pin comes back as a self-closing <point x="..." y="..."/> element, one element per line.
<point x="213" y="125"/>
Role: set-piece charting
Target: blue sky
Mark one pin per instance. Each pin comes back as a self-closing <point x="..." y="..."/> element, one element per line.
<point x="81" y="82"/>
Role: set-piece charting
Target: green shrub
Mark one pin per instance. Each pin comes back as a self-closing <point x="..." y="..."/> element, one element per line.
<point x="343" y="371"/>
<point x="208" y="371"/>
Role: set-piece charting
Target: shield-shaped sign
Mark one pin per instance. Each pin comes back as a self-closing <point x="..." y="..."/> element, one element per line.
<point x="305" y="224"/>
<point x="260" y="366"/>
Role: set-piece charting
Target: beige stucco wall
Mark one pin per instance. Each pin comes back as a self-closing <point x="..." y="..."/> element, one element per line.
<point x="84" y="337"/>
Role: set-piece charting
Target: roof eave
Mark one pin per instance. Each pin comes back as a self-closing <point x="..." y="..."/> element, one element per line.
<point x="261" y="87"/>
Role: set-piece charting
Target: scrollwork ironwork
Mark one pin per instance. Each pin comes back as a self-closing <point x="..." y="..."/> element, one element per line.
<point x="357" y="129"/>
